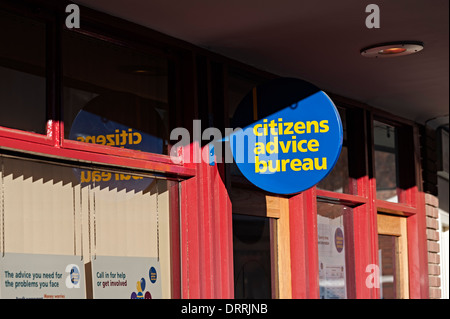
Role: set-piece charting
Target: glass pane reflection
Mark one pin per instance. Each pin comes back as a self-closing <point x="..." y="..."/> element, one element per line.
<point x="22" y="74"/>
<point x="114" y="95"/>
<point x="386" y="169"/>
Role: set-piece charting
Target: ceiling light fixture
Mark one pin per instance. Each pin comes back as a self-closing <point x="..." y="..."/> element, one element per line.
<point x="143" y="70"/>
<point x="392" y="49"/>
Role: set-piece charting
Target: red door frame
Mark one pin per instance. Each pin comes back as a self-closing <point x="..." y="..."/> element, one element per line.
<point x="303" y="225"/>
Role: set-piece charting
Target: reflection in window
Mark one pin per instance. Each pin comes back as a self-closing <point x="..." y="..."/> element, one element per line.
<point x="386" y="170"/>
<point x="22" y="74"/>
<point x="339" y="179"/>
<point x="335" y="246"/>
<point x="252" y="258"/>
<point x="114" y="96"/>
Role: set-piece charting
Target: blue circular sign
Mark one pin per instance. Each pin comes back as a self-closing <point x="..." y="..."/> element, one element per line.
<point x="74" y="275"/>
<point x="339" y="239"/>
<point x="295" y="141"/>
<point x="152" y="274"/>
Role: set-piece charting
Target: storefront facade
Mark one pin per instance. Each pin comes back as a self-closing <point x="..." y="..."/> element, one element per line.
<point x="87" y="179"/>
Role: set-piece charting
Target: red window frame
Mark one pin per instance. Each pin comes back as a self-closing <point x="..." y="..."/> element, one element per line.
<point x="304" y="249"/>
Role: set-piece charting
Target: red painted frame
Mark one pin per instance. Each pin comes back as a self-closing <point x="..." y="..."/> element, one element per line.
<point x="10" y="141"/>
<point x="304" y="253"/>
<point x="206" y="231"/>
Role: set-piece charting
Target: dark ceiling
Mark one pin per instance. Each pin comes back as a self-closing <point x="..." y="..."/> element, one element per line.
<point x="318" y="41"/>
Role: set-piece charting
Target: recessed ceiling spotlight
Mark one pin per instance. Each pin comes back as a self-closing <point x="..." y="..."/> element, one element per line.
<point x="392" y="49"/>
<point x="143" y="70"/>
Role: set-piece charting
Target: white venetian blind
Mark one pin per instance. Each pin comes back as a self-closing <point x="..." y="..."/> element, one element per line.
<point x="44" y="209"/>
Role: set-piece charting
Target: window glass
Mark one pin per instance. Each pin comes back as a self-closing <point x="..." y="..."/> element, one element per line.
<point x="22" y="74"/>
<point x="386" y="169"/>
<point x="336" y="252"/>
<point x="114" y="95"/>
<point x="338" y="179"/>
<point x="115" y="226"/>
<point x="252" y="257"/>
<point x="443" y="151"/>
<point x="240" y="83"/>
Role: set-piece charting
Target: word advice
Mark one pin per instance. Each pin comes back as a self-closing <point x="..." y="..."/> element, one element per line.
<point x="285" y="143"/>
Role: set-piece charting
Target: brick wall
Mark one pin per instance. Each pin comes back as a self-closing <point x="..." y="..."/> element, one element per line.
<point x="432" y="214"/>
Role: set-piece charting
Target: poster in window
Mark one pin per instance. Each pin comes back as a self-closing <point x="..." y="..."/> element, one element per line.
<point x="38" y="276"/>
<point x="332" y="281"/>
<point x="126" y="278"/>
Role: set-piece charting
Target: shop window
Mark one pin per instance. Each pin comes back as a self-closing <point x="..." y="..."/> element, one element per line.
<point x="22" y="74"/>
<point x="115" y="227"/>
<point x="336" y="252"/>
<point x="339" y="179"/>
<point x="386" y="166"/>
<point x="252" y="257"/>
<point x="114" y="95"/>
